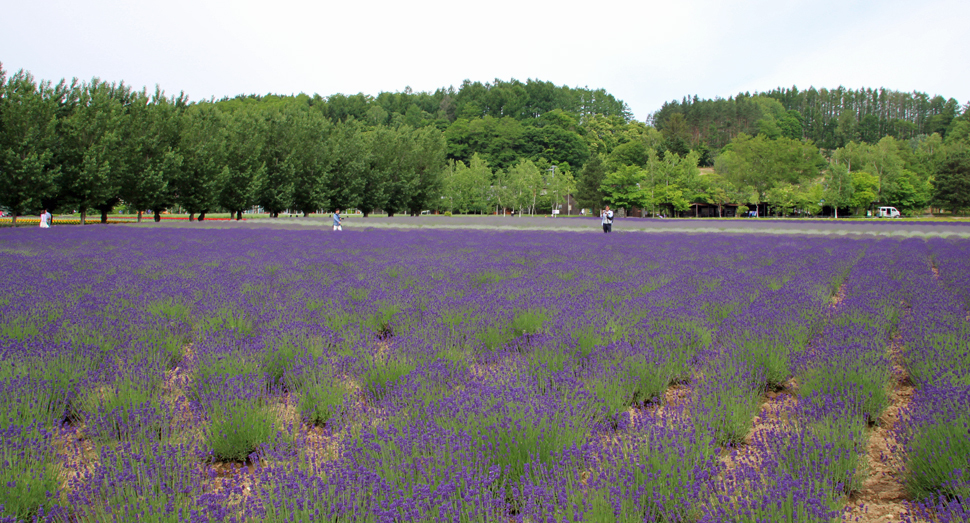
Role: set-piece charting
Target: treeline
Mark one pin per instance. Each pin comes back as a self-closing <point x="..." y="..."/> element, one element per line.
<point x="95" y="145"/>
<point x="781" y="175"/>
<point x="525" y="146"/>
<point x="830" y="118"/>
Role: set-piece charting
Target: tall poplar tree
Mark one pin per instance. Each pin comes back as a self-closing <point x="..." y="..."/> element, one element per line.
<point x="92" y="153"/>
<point x="589" y="193"/>
<point x="28" y="133"/>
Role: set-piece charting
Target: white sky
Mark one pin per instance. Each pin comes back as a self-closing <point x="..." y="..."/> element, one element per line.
<point x="642" y="52"/>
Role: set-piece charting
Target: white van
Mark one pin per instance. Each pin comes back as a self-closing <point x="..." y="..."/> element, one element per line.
<point x="889" y="212"/>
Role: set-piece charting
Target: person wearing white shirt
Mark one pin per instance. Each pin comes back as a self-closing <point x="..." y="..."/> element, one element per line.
<point x="607" y="219"/>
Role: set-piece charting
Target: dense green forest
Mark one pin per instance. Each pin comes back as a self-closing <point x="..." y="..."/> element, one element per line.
<point x="506" y="145"/>
<point x="830" y="118"/>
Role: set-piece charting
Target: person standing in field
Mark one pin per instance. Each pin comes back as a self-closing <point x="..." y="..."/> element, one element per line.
<point x="336" y="221"/>
<point x="607" y="220"/>
<point x="45" y="219"/>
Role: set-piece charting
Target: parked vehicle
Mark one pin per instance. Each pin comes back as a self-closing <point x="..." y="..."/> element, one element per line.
<point x="889" y="212"/>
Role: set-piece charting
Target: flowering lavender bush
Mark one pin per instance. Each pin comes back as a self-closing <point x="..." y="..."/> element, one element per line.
<point x="255" y="375"/>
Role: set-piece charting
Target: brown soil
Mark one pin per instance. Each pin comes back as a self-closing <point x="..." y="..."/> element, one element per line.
<point x="774" y="415"/>
<point x="883" y="495"/>
<point x="838" y="297"/>
<point x="76" y="453"/>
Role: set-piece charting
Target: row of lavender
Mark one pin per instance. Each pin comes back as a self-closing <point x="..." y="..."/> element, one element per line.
<point x="935" y="435"/>
<point x="425" y="376"/>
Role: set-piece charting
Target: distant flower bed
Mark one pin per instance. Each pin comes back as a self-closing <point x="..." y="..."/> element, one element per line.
<point x="65" y="221"/>
<point x="186" y="218"/>
<point x="21" y="220"/>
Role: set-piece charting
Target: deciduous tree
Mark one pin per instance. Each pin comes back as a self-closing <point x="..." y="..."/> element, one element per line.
<point x="28" y="135"/>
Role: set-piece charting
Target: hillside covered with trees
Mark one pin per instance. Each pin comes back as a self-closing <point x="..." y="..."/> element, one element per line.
<point x="506" y="145"/>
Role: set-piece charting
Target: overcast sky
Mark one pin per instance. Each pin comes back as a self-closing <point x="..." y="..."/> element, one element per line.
<point x="644" y="52"/>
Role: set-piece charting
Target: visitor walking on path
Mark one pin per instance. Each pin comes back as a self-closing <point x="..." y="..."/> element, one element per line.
<point x="45" y="219"/>
<point x="607" y="219"/>
<point x="337" y="221"/>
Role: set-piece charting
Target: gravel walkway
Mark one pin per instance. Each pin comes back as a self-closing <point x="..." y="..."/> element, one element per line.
<point x="901" y="228"/>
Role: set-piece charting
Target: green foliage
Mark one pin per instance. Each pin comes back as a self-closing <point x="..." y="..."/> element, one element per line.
<point x="839" y="188"/>
<point x="763" y="163"/>
<point x="226" y="319"/>
<point x="239" y="428"/>
<point x="517" y="437"/>
<point x="626" y="188"/>
<point x="728" y="406"/>
<point x="842" y="439"/>
<point x="20" y="327"/>
<point x="861" y="381"/>
<point x="864" y="190"/>
<point x="381" y="321"/>
<point x="466" y="187"/>
<point x="169" y="309"/>
<point x="494" y="337"/>
<point x="212" y="373"/>
<point x="770" y="355"/>
<point x="936" y="462"/>
<point x="27" y="142"/>
<point x="587" y="340"/>
<point x="385" y="372"/>
<point x="278" y="359"/>
<point x="589" y="193"/>
<point x="122" y="400"/>
<point x="952" y="184"/>
<point x="28" y="482"/>
<point x="320" y="396"/>
<point x="950" y="357"/>
<point x="828" y="117"/>
<point x="146" y="481"/>
<point x="528" y="322"/>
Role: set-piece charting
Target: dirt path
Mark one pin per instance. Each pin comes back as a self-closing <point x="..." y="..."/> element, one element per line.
<point x="883" y="494"/>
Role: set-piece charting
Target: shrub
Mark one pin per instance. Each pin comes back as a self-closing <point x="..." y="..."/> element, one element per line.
<point x="936" y="460"/>
<point x="226" y="319"/>
<point x="863" y="381"/>
<point x="28" y="472"/>
<point x="727" y="401"/>
<point x="384" y="373"/>
<point x="321" y="397"/>
<point x="381" y="321"/>
<point x="127" y="409"/>
<point x="528" y="322"/>
<point x="239" y="428"/>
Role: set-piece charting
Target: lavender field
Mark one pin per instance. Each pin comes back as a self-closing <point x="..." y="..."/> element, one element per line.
<point x="472" y="376"/>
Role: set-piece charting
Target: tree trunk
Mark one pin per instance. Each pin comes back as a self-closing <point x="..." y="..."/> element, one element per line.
<point x="305" y="214"/>
<point x="104" y="216"/>
<point x="84" y="215"/>
<point x="139" y="216"/>
<point x="191" y="216"/>
<point x="390" y="214"/>
<point x="158" y="216"/>
<point x="366" y="214"/>
<point x="836" y="208"/>
<point x="202" y="216"/>
<point x="238" y="215"/>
